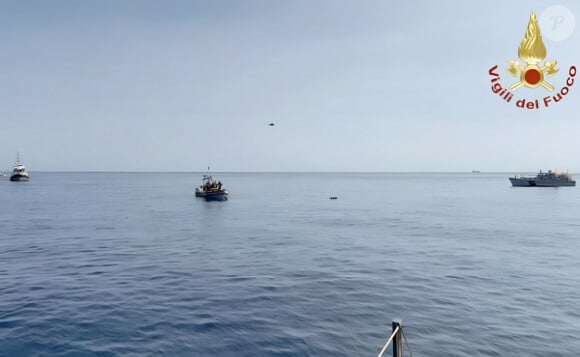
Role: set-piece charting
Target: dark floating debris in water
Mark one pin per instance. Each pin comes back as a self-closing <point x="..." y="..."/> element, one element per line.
<point x="333" y="197"/>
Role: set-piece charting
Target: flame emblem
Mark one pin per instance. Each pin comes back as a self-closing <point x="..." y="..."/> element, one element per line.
<point x="532" y="51"/>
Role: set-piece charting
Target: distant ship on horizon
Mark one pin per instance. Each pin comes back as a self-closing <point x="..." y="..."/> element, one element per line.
<point x="19" y="172"/>
<point x="543" y="179"/>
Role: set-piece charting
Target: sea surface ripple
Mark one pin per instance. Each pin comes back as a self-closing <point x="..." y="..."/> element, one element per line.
<point x="133" y="264"/>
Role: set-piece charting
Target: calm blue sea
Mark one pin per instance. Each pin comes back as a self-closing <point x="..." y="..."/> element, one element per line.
<point x="133" y="264"/>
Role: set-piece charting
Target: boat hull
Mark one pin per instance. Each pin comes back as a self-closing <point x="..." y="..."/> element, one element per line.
<point x="19" y="177"/>
<point x="220" y="195"/>
<point x="555" y="184"/>
<point x="523" y="182"/>
<point x="532" y="182"/>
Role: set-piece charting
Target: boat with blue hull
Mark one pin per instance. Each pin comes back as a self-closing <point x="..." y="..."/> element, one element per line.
<point x="211" y="190"/>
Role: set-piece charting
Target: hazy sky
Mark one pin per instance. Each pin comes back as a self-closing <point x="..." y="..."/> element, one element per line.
<point x="140" y="85"/>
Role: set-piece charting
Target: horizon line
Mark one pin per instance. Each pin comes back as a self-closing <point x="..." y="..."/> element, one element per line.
<point x="288" y="172"/>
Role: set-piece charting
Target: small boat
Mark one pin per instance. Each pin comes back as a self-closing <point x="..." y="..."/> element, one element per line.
<point x="211" y="190"/>
<point x="543" y="179"/>
<point x="19" y="172"/>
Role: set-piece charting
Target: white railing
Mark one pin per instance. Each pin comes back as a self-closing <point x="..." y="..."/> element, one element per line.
<point x="396" y="339"/>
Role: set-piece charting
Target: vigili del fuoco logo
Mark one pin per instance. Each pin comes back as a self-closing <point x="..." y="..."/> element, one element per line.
<point x="532" y="73"/>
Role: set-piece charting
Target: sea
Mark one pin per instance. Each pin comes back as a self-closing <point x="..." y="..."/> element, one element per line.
<point x="133" y="264"/>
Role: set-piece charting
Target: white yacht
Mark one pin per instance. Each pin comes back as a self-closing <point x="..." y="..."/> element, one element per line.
<point x="19" y="172"/>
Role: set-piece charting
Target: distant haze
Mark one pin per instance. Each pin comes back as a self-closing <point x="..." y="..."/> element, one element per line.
<point x="143" y="85"/>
